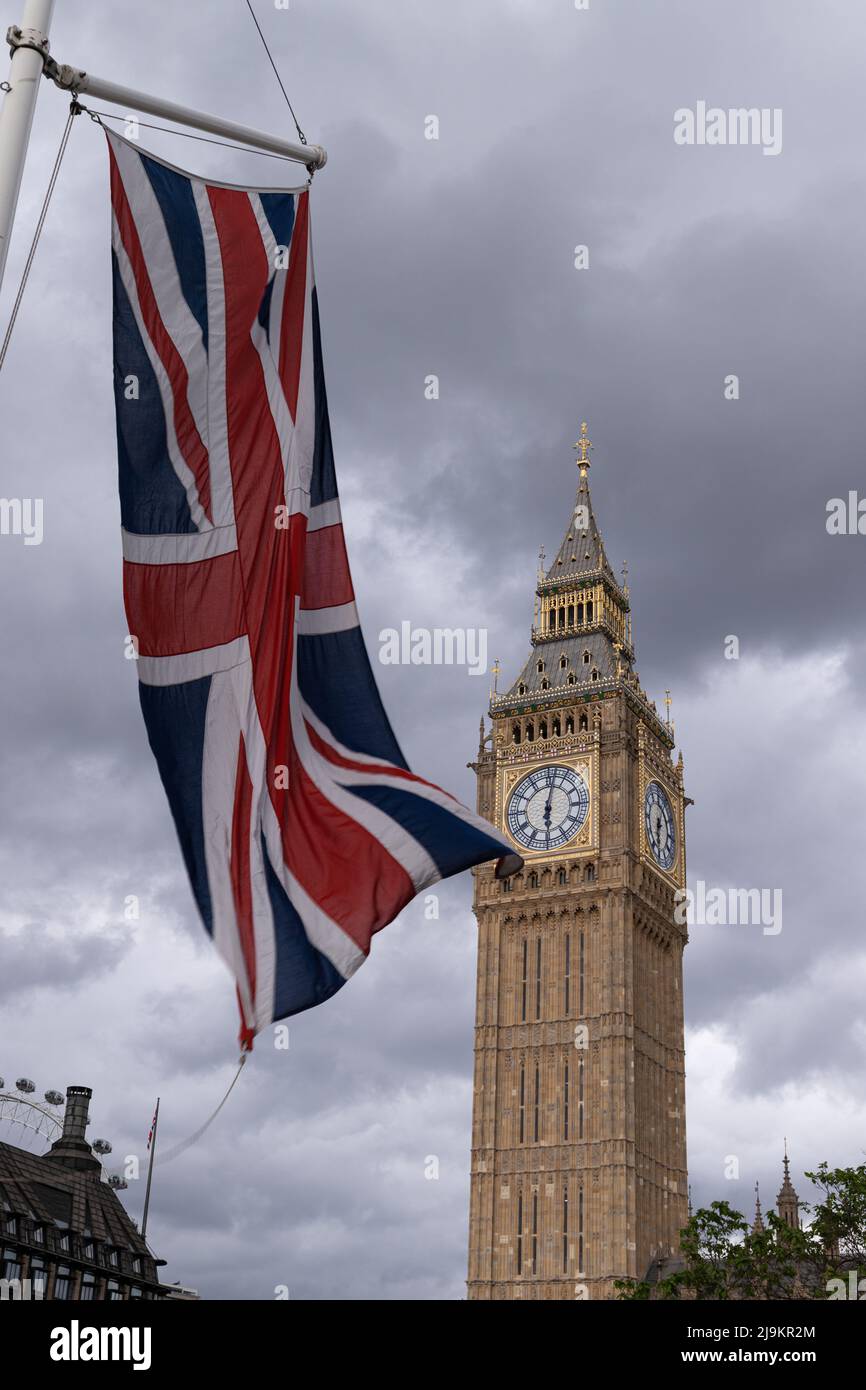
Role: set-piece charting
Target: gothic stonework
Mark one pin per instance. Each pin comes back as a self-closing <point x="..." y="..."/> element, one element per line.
<point x="578" y="1133"/>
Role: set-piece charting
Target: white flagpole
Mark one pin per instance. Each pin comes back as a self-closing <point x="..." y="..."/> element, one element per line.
<point x="16" y="117"/>
<point x="85" y="83"/>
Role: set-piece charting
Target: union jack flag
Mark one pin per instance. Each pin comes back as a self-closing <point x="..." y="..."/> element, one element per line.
<point x="302" y="828"/>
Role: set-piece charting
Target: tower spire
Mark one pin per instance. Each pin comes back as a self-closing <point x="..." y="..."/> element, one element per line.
<point x="758" y="1223"/>
<point x="787" y="1202"/>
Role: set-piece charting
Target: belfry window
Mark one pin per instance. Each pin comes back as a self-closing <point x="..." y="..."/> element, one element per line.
<point x="557" y="728"/>
<point x="542" y="729"/>
<point x="530" y="732"/>
<point x="571" y="615"/>
<point x="515" y="733"/>
<point x="584" y="722"/>
<point x="589" y="610"/>
<point x="562" y="617"/>
<point x="569" y="723"/>
<point x="580" y="613"/>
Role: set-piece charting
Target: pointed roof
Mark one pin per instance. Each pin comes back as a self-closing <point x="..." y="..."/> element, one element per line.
<point x="582" y="549"/>
<point x="787" y="1201"/>
<point x="758" y="1223"/>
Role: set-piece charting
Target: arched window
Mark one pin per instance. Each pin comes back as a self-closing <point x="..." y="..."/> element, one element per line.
<point x="551" y="617"/>
<point x="557" y="727"/>
<point x="584" y="722"/>
<point x="530" y="732"/>
<point x="571" y="615"/>
<point x="540" y="667"/>
<point x="589" y="610"/>
<point x="545" y="684"/>
<point x="533" y="879"/>
<point x="569" y="724"/>
<point x="560" y="878"/>
<point x="515" y="733"/>
<point x="563" y="662"/>
<point x="542" y="729"/>
<point x="589" y="873"/>
<point x="521" y="689"/>
<point x="562" y="617"/>
<point x="595" y="673"/>
<point x="571" y="678"/>
<point x="586" y="658"/>
<point x="580" y="613"/>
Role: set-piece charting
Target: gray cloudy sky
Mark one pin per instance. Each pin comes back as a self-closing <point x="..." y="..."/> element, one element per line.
<point x="456" y="257"/>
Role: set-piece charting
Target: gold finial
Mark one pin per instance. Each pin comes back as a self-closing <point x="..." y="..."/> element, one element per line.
<point x="625" y="578"/>
<point x="582" y="448"/>
<point x="668" y="703"/>
<point x="497" y="671"/>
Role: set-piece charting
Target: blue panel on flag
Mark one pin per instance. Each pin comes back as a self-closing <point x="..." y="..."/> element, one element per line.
<point x="174" y="716"/>
<point x="449" y="841"/>
<point x="323" y="485"/>
<point x="152" y="497"/>
<point x="304" y="977"/>
<point x="335" y="679"/>
<point x="175" y="196"/>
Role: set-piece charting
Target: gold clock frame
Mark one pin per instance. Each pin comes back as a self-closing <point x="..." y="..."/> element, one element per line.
<point x="586" y="839"/>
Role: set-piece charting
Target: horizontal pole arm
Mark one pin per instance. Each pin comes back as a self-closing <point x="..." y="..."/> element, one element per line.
<point x="78" y="82"/>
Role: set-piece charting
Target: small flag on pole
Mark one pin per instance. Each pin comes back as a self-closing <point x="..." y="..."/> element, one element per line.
<point x="303" y="830"/>
<point x="152" y="1127"/>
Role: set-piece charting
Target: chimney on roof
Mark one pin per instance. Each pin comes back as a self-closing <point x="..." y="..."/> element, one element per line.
<point x="72" y="1149"/>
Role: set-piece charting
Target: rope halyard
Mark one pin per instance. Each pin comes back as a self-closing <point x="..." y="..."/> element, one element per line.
<point x="74" y="110"/>
<point x="185" y="1144"/>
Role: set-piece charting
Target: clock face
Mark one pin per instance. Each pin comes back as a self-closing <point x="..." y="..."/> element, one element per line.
<point x="547" y="808"/>
<point x="659" y="823"/>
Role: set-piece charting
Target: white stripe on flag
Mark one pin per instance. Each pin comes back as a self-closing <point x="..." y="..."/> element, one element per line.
<point x="222" y="496"/>
<point x="313" y="622"/>
<point x="191" y="666"/>
<point x="178" y="549"/>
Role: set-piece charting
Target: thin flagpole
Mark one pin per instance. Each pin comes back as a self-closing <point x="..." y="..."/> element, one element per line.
<point x="16" y="117"/>
<point x="150" y="1171"/>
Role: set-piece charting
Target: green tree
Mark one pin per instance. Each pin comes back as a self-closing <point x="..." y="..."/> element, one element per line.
<point x="724" y="1259"/>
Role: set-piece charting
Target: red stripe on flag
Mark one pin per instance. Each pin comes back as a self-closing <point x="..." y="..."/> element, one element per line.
<point x="342" y="866"/>
<point x="374" y="769"/>
<point x="327" y="581"/>
<point x="183" y="608"/>
<point x="242" y="889"/>
<point x="188" y="438"/>
<point x="294" y="304"/>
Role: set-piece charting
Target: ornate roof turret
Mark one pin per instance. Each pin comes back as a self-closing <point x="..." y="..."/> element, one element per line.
<point x="581" y="634"/>
<point x="787" y="1202"/>
<point x="758" y="1223"/>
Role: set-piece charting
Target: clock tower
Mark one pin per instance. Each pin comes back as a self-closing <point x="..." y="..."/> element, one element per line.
<point x="578" y="1131"/>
